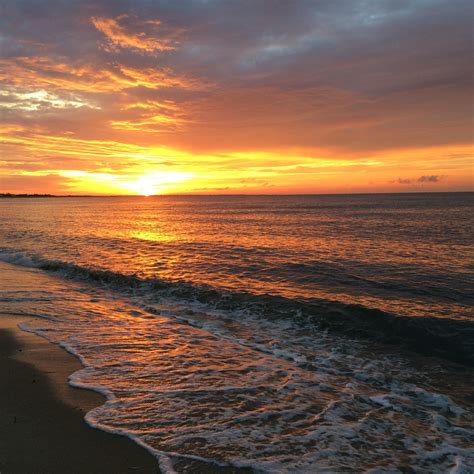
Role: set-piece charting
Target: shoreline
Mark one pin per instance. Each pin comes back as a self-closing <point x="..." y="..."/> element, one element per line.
<point x="42" y="416"/>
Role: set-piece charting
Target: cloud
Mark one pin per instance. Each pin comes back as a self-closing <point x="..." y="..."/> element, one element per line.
<point x="83" y="77"/>
<point x="39" y="100"/>
<point x="421" y="179"/>
<point x="121" y="36"/>
<point x="429" y="179"/>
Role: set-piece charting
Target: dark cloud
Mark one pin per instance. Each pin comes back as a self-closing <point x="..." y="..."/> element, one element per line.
<point x="422" y="179"/>
<point x="429" y="179"/>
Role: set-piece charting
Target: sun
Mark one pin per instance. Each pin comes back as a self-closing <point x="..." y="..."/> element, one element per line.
<point x="154" y="183"/>
<point x="146" y="189"/>
<point x="144" y="186"/>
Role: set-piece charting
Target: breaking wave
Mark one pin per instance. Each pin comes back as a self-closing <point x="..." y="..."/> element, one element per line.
<point x="448" y="338"/>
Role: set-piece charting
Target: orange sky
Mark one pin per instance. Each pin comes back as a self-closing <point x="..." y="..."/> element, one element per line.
<point x="235" y="97"/>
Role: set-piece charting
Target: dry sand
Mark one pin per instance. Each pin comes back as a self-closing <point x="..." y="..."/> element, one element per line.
<point x="42" y="427"/>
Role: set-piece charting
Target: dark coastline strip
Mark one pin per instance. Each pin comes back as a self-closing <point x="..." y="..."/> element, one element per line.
<point x="42" y="434"/>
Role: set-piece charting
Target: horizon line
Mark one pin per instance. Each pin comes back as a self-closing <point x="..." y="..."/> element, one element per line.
<point x="46" y="195"/>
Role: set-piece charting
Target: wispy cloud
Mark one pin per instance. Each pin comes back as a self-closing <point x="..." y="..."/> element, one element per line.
<point x="127" y="31"/>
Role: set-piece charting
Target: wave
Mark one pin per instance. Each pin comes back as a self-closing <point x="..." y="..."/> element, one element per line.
<point x="449" y="338"/>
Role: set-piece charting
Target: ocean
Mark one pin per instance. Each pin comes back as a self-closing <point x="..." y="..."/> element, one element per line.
<point x="260" y="333"/>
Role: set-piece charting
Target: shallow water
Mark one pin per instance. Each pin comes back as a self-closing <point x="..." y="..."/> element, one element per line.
<point x="199" y="333"/>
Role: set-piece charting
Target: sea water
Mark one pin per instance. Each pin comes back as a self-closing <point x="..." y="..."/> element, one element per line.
<point x="266" y="333"/>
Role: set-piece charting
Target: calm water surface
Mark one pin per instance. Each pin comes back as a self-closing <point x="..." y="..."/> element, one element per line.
<point x="248" y="331"/>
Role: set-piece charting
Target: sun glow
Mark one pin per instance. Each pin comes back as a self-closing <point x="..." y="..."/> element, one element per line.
<point x="144" y="187"/>
<point x="156" y="182"/>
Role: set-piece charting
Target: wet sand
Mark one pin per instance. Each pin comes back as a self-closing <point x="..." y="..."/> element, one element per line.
<point x="42" y="427"/>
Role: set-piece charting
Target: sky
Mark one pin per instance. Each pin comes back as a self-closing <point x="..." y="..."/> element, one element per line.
<point x="225" y="97"/>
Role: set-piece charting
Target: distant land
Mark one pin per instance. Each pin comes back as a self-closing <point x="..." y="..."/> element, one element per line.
<point x="25" y="195"/>
<point x="39" y="195"/>
<point x="35" y="195"/>
<point x="10" y="195"/>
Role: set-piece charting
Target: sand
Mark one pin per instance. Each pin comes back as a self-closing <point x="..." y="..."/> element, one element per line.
<point x="42" y="427"/>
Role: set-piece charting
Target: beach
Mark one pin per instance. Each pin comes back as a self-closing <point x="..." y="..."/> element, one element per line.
<point x="42" y="417"/>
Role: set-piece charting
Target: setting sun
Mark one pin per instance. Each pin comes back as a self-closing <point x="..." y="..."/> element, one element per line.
<point x="144" y="187"/>
<point x="155" y="183"/>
